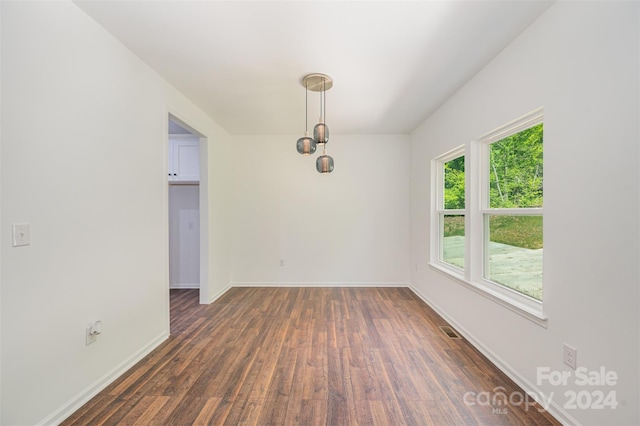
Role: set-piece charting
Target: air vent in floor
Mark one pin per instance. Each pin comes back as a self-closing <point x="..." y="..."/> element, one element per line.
<point x="450" y="332"/>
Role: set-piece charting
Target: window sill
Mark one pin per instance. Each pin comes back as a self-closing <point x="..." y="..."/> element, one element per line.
<point x="531" y="311"/>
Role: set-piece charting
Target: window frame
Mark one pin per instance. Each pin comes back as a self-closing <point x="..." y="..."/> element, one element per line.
<point x="441" y="211"/>
<point x="477" y="212"/>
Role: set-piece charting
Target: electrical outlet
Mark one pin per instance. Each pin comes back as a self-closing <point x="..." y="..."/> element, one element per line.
<point x="570" y="356"/>
<point x="21" y="233"/>
<point x="281" y="262"/>
<point x="91" y="338"/>
<point x="93" y="331"/>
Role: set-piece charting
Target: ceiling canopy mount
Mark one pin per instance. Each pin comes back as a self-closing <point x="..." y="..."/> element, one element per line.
<point x="317" y="82"/>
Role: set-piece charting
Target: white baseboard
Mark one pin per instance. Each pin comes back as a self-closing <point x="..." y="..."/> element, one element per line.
<point x="554" y="409"/>
<point x="319" y="284"/>
<point x="92" y="390"/>
<point x="219" y="294"/>
<point x="180" y="286"/>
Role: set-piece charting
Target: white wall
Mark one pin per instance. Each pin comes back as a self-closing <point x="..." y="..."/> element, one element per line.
<point x="580" y="62"/>
<point x="349" y="227"/>
<point x="1" y="245"/>
<point x="83" y="152"/>
<point x="184" y="236"/>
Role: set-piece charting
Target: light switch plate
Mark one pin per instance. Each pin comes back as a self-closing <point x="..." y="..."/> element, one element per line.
<point x="21" y="233"/>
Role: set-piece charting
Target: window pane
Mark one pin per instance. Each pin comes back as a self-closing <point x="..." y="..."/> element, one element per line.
<point x="515" y="170"/>
<point x="453" y="239"/>
<point x="515" y="253"/>
<point x="454" y="184"/>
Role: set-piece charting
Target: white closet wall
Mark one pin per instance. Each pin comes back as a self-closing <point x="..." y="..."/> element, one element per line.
<point x="184" y="212"/>
<point x="184" y="236"/>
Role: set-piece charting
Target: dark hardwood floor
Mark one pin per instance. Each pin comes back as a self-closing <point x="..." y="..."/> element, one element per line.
<point x="309" y="356"/>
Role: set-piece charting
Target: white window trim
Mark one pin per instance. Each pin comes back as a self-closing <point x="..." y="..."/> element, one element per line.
<point x="438" y="207"/>
<point x="476" y="194"/>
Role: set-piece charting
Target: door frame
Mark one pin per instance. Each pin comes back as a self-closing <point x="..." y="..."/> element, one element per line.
<point x="203" y="195"/>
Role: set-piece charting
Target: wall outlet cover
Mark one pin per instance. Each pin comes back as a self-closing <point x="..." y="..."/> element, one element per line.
<point x="21" y="233"/>
<point x="90" y="337"/>
<point x="570" y="356"/>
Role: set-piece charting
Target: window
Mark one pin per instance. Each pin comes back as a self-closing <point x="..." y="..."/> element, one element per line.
<point x="488" y="216"/>
<point x="451" y="208"/>
<point x="512" y="211"/>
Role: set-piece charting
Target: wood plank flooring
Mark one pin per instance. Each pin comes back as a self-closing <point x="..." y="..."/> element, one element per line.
<point x="308" y="356"/>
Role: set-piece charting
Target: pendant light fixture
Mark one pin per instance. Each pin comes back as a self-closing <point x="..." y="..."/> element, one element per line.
<point x="306" y="145"/>
<point x="321" y="131"/>
<point x="324" y="163"/>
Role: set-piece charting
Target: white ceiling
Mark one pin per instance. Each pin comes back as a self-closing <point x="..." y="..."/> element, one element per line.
<point x="392" y="62"/>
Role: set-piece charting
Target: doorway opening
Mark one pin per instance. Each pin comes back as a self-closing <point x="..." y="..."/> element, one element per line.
<point x="187" y="209"/>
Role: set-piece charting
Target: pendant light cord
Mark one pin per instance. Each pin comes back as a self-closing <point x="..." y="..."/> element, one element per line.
<point x="321" y="112"/>
<point x="324" y="112"/>
<point x="306" y="107"/>
<point x="324" y="101"/>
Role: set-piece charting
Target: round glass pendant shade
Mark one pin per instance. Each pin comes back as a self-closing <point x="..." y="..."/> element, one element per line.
<point x="306" y="145"/>
<point x="324" y="164"/>
<point x="321" y="133"/>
